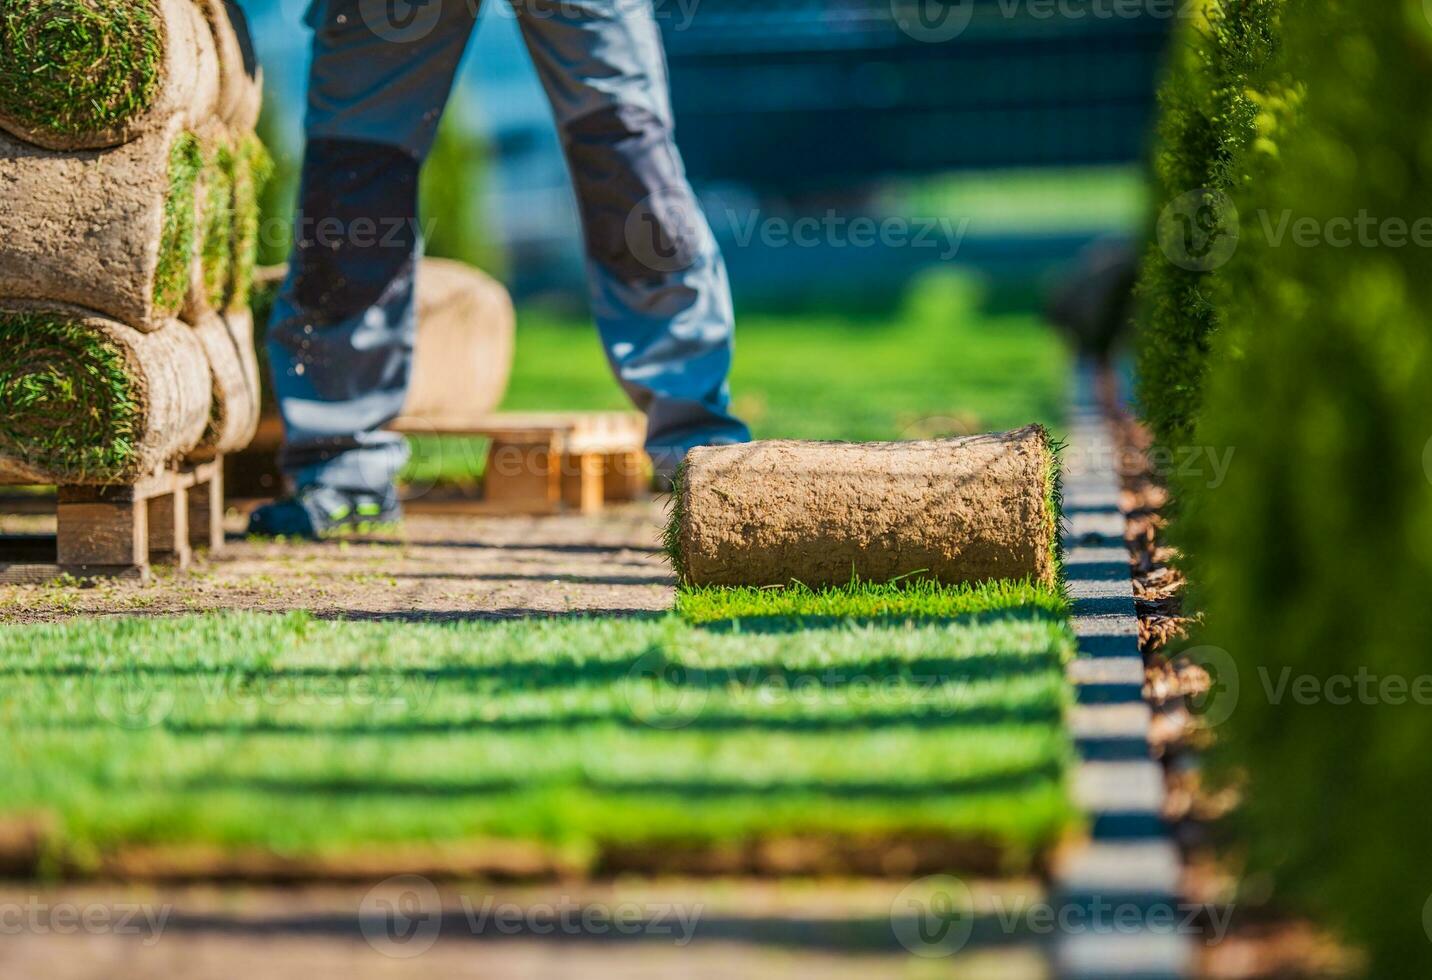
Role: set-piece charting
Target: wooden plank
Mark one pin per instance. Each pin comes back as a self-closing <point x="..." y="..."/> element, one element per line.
<point x="591" y="429"/>
<point x="169" y="527"/>
<point x="582" y="482"/>
<point x="110" y="533"/>
<point x="524" y="476"/>
<point x="626" y="476"/>
<point x="206" y="511"/>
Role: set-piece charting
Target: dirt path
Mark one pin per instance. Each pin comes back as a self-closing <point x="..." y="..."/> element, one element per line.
<point x="738" y="929"/>
<point x="442" y="567"/>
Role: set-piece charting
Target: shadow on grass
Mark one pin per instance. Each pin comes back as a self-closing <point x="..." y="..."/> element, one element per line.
<point x="646" y="665"/>
<point x="648" y="923"/>
<point x="1012" y="780"/>
<point x="932" y="717"/>
<point x="799" y="623"/>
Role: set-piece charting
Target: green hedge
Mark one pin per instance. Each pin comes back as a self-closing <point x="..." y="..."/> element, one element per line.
<point x="1314" y="558"/>
<point x="1215" y="133"/>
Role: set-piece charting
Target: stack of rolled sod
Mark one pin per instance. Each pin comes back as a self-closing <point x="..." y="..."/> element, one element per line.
<point x="130" y="176"/>
<point x="821" y="513"/>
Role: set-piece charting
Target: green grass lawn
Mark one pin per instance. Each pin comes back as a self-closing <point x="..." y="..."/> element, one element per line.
<point x="865" y="712"/>
<point x="308" y="737"/>
<point x="939" y="365"/>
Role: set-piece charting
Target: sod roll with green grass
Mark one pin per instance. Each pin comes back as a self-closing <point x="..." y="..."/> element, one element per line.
<point x="972" y="509"/>
<point x="111" y="230"/>
<point x="234" y="405"/>
<point x="252" y="167"/>
<point x="240" y="77"/>
<point x="86" y="400"/>
<point x="211" y="269"/>
<point x="86" y="74"/>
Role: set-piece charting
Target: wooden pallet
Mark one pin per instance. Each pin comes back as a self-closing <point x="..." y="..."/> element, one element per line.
<point x="537" y="462"/>
<point x="548" y="462"/>
<point x="119" y="531"/>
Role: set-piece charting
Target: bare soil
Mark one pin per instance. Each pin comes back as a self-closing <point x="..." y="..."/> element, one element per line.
<point x="440" y="567"/>
<point x="834" y="929"/>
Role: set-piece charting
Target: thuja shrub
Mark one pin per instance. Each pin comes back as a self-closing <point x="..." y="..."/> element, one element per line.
<point x="1221" y="105"/>
<point x="1313" y="560"/>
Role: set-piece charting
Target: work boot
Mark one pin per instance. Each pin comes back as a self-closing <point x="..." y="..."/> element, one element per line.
<point x="316" y="512"/>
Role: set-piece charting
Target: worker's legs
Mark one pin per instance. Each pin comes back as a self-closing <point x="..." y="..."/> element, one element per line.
<point x="340" y="341"/>
<point x="658" y="283"/>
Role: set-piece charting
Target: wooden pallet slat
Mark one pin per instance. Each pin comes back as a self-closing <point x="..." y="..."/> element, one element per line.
<point x="538" y="463"/>
<point x="120" y="531"/>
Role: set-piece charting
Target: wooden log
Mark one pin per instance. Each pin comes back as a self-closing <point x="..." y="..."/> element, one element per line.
<point x="953" y="510"/>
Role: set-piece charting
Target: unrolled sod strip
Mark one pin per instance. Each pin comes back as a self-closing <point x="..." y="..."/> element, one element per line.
<point x="109" y="230"/>
<point x="953" y="510"/>
<point x="87" y="74"/>
<point x="234" y="407"/>
<point x="86" y="400"/>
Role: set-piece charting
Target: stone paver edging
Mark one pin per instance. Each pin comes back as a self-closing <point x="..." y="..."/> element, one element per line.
<point x="1120" y="894"/>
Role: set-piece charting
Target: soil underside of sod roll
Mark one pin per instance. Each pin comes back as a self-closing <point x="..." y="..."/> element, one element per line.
<point x="955" y="510"/>
<point x="108" y="230"/>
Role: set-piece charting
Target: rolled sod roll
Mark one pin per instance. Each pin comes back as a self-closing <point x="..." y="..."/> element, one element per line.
<point x="109" y="230"/>
<point x="211" y="265"/>
<point x="87" y="74"/>
<point x="466" y="335"/>
<point x="240" y="77"/>
<point x="953" y="510"/>
<point x="252" y="168"/>
<point x="86" y="400"/>
<point x="234" y="404"/>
